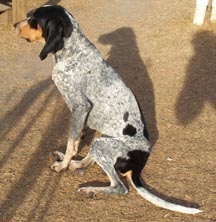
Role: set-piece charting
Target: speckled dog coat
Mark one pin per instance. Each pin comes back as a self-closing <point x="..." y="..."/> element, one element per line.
<point x="89" y="84"/>
<point x="98" y="98"/>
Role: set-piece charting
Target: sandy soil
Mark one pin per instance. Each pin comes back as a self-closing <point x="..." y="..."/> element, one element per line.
<point x="171" y="67"/>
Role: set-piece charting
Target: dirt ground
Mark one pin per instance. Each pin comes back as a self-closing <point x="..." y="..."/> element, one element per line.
<point x="170" y="65"/>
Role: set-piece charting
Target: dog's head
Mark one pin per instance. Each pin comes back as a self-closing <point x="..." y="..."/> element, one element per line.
<point x="49" y="24"/>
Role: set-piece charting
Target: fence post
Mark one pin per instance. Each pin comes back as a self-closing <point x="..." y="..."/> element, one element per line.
<point x="19" y="8"/>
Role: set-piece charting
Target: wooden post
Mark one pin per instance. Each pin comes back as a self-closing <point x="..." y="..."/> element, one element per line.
<point x="5" y="14"/>
<point x="19" y="8"/>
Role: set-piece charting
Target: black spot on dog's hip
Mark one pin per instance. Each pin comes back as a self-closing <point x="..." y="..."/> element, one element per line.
<point x="129" y="130"/>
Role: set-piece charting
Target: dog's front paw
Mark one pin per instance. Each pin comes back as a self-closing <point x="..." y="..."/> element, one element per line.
<point x="56" y="156"/>
<point x="59" y="166"/>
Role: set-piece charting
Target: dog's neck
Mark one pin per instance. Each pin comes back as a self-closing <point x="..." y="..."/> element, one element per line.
<point x="62" y="57"/>
<point x="71" y="44"/>
<point x="76" y="52"/>
<point x="76" y="46"/>
<point x="65" y="53"/>
<point x="77" y="49"/>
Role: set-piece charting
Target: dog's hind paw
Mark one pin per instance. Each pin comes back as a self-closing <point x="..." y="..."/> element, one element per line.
<point x="89" y="191"/>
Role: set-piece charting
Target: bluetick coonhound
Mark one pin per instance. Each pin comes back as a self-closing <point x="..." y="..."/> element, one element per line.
<point x="97" y="97"/>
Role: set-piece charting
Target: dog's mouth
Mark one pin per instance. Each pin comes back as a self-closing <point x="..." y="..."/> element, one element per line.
<point x="28" y="40"/>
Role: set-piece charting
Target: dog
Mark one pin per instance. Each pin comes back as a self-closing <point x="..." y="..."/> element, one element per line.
<point x="97" y="97"/>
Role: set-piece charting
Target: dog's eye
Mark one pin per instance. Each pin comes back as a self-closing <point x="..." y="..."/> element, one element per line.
<point x="29" y="14"/>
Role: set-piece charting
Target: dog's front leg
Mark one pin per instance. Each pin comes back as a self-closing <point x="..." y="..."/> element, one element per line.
<point x="79" y="113"/>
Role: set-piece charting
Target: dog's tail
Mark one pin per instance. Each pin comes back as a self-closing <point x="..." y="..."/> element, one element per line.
<point x="158" y="201"/>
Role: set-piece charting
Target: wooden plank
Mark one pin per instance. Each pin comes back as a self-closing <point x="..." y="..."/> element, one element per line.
<point x="6" y="17"/>
<point x="19" y="8"/>
<point x="4" y="7"/>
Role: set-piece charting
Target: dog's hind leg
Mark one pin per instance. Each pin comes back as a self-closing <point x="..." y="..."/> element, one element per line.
<point x="104" y="151"/>
<point x="116" y="185"/>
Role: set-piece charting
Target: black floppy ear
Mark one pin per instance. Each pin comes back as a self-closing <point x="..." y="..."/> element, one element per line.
<point x="53" y="34"/>
<point x="66" y="22"/>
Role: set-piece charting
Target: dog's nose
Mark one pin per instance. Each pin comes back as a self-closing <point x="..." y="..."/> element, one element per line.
<point x="15" y="25"/>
